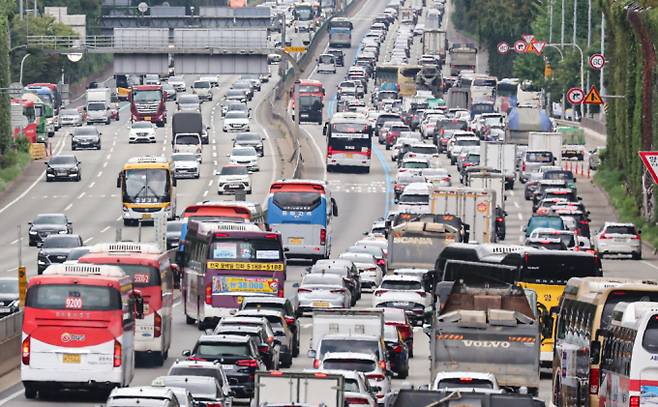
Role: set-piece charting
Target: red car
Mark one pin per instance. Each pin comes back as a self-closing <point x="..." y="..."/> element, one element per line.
<point x="393" y="133"/>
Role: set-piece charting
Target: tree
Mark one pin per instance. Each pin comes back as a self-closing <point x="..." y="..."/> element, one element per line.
<point x="5" y="118"/>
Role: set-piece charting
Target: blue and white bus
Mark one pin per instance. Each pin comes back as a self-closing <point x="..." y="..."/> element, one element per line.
<point x="302" y="211"/>
<point x="340" y="32"/>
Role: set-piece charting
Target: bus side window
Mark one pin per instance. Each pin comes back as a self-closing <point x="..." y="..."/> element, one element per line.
<point x="128" y="313"/>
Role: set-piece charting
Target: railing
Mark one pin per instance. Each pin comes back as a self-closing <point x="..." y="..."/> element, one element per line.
<point x="10" y="325"/>
<point x="10" y="342"/>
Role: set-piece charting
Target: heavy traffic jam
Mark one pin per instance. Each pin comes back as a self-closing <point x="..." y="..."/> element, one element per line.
<point x="446" y="298"/>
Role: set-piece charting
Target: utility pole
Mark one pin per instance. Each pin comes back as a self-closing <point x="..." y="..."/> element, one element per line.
<point x="589" y="43"/>
<point x="562" y="27"/>
<point x="21" y="8"/>
<point x="575" y="20"/>
<point x="550" y="21"/>
<point x="601" y="85"/>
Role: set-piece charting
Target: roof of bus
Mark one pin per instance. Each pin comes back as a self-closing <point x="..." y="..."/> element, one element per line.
<point x="589" y="289"/>
<point x="299" y="185"/>
<point x="218" y="209"/>
<point x="25" y="103"/>
<point x="76" y="273"/>
<point x="143" y="259"/>
<point x="139" y="166"/>
<point x="147" y="87"/>
<point x="349" y="117"/>
<point x="208" y="228"/>
<point x="309" y="82"/>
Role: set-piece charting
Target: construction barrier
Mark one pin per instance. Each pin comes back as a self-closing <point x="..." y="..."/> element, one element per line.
<point x="38" y="151"/>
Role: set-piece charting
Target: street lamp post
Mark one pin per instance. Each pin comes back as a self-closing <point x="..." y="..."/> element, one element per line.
<point x="20" y="78"/>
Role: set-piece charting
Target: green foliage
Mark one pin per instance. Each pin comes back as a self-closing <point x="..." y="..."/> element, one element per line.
<point x="5" y="118"/>
<point x="12" y="164"/>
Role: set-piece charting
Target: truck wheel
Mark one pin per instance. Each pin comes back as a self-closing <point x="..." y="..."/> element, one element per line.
<point x="30" y="391"/>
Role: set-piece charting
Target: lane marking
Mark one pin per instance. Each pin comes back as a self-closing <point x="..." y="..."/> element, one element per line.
<point x="649" y="264"/>
<point x="14" y="241"/>
<point x="99" y="174"/>
<point x="519" y="216"/>
<point x="516" y="204"/>
<point x="210" y="183"/>
<point x="82" y="195"/>
<point x="88" y="240"/>
<point x="69" y="206"/>
<point x="92" y="184"/>
<point x="105" y="229"/>
<point x="11" y="397"/>
<point x="205" y="193"/>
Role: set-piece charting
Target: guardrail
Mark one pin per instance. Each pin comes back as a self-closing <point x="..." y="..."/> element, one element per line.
<point x="10" y="342"/>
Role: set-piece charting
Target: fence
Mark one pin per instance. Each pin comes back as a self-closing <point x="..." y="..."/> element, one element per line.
<point x="10" y="342"/>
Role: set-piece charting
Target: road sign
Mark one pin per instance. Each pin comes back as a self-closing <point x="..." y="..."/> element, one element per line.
<point x="519" y="47"/>
<point x="650" y="160"/>
<point x="291" y="50"/>
<point x="596" y="61"/>
<point x="593" y="97"/>
<point x="539" y="47"/>
<point x="503" y="48"/>
<point x="22" y="284"/>
<point x="528" y="38"/>
<point x="575" y="96"/>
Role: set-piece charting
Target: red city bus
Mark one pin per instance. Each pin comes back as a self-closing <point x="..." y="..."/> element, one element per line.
<point x="311" y="95"/>
<point x="79" y="329"/>
<point x="228" y="261"/>
<point x="152" y="275"/>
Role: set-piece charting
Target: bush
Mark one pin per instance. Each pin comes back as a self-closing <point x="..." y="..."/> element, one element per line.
<point x="12" y="165"/>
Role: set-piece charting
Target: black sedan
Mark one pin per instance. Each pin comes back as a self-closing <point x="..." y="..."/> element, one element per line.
<point x="56" y="249"/>
<point x="47" y="224"/>
<point x="63" y="167"/>
<point x="8" y="296"/>
<point x="85" y="137"/>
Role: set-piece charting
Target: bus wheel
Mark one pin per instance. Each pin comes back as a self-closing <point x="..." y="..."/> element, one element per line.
<point x="30" y="391"/>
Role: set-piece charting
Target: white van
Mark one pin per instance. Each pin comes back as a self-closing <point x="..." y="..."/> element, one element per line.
<point x="326" y="63"/>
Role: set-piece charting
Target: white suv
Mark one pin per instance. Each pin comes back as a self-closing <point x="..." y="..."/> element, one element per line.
<point x="619" y="238"/>
<point x="233" y="179"/>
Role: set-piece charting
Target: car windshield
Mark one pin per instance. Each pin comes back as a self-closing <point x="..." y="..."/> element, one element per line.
<point x="201" y="85"/>
<point x="183" y="157"/>
<point x="142" y="125"/>
<point x="326" y="59"/>
<point x="348" y="345"/>
<point x="237" y="114"/>
<point x="61" y="242"/>
<point x="50" y="220"/>
<point x="423" y="149"/>
<point x="465" y="382"/>
<point x="467" y="142"/>
<point x="85" y="131"/>
<point x="244" y="152"/>
<point x="415" y="199"/>
<point x="621" y="229"/>
<point x="235" y="92"/>
<point x="352" y="385"/>
<point x="360" y="365"/>
<point x="96" y="106"/>
<point x="9" y="286"/>
<point x="214" y="349"/>
<point x="62" y="160"/>
<point x="551" y="222"/>
<point x="69" y="112"/>
<point x="76" y="253"/>
<point x="191" y="139"/>
<point x="188" y="99"/>
<point x="234" y="170"/>
<point x="195" y="371"/>
<point x="246" y="137"/>
<point x="415" y="164"/>
<point x="539" y="157"/>
<point x="401" y="285"/>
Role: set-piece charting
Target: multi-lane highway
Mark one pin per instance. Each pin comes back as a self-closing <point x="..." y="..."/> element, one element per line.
<point x="94" y="204"/>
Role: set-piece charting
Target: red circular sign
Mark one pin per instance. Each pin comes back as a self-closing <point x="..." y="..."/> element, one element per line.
<point x="575" y="96"/>
<point x="596" y="61"/>
<point x="520" y="46"/>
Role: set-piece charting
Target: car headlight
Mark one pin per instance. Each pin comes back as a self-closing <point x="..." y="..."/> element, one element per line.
<point x="63" y="232"/>
<point x="32" y="232"/>
<point x="41" y="262"/>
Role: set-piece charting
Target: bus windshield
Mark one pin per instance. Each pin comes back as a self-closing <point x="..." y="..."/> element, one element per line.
<point x="146" y="186"/>
<point x="557" y="268"/>
<point x="506" y="89"/>
<point x="73" y="297"/>
<point x="297" y="201"/>
<point x="247" y="250"/>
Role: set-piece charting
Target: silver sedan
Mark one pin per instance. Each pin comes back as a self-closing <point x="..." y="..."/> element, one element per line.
<point x="323" y="290"/>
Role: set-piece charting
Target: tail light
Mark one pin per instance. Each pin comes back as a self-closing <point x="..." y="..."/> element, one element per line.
<point x="304" y="290"/>
<point x="330" y="151"/>
<point x="584" y="222"/>
<point x="214" y="404"/>
<point x="376" y="376"/>
<point x="247" y="363"/>
<point x="381" y="262"/>
<point x="443" y="131"/>
<point x="117" y="354"/>
<point x="316" y="363"/>
<point x="522" y="166"/>
<point x="404" y="329"/>
<point x="397" y="348"/>
<point x="290" y="320"/>
<point x="603" y="237"/>
<point x="634" y="401"/>
<point x="412" y="154"/>
<point x="382" y="364"/>
<point x="500" y="219"/>
<point x="264" y="349"/>
<point x="323" y="236"/>
<point x="369" y="153"/>
<point x="636" y="237"/>
<point x="378" y="293"/>
<point x="279" y="292"/>
<point x="157" y="325"/>
<point x="25" y="351"/>
<point x="338" y="291"/>
<point x="356" y="400"/>
<point x="197" y="359"/>
<point x="398" y="187"/>
<point x="209" y="293"/>
<point x="594" y="381"/>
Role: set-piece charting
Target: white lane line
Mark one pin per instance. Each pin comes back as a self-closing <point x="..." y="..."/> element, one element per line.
<point x="11" y="397"/>
<point x="69" y="206"/>
<point x="516" y="204"/>
<point x="214" y="154"/>
<point x="650" y="265"/>
<point x="92" y="184"/>
<point x="519" y="216"/>
<point x="214" y="162"/>
<point x="511" y="192"/>
<point x="165" y="148"/>
<point x="205" y="193"/>
<point x="210" y="183"/>
<point x="118" y="219"/>
<point x="82" y="195"/>
<point x="89" y="239"/>
<point x="105" y="164"/>
<point x="99" y="174"/>
<point x="105" y="229"/>
<point x="319" y="151"/>
<point x="36" y="181"/>
<point x="14" y="241"/>
<point x="214" y="147"/>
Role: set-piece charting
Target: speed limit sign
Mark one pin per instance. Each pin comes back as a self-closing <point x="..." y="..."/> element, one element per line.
<point x="503" y="48"/>
<point x="596" y="61"/>
<point x="575" y="96"/>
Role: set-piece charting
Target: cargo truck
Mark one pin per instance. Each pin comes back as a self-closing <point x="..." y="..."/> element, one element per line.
<point x="98" y="106"/>
<point x="415" y="239"/>
<point x="500" y="156"/>
<point x="435" y="42"/>
<point x="573" y="142"/>
<point x="524" y="119"/>
<point x="462" y="57"/>
<point x="546" y="141"/>
<point x="345" y="322"/>
<point x="312" y="389"/>
<point x="475" y="207"/>
<point x="459" y="98"/>
<point x="489" y="180"/>
<point x="451" y="398"/>
<point x="485" y="325"/>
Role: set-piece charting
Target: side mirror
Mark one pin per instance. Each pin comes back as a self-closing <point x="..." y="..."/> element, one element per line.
<point x="324" y="129"/>
<point x="427" y="329"/>
<point x="174" y="182"/>
<point x="581" y="244"/>
<point x="29" y="223"/>
<point x="334" y="207"/>
<point x="311" y="353"/>
<point x="187" y="353"/>
<point x="639" y="232"/>
<point x="118" y="181"/>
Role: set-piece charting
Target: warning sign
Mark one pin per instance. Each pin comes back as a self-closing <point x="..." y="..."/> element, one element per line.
<point x="650" y="160"/>
<point x="593" y="97"/>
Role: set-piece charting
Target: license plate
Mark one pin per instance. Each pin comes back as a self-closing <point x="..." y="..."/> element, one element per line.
<point x="348" y="155"/>
<point x="228" y="367"/>
<point x="146" y="216"/>
<point x="147" y="118"/>
<point x="620" y="240"/>
<point x="400" y="304"/>
<point x="295" y="240"/>
<point x="71" y="358"/>
<point x="320" y="304"/>
<point x="4" y="310"/>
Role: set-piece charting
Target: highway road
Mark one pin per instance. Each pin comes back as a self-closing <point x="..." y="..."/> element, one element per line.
<point x="95" y="208"/>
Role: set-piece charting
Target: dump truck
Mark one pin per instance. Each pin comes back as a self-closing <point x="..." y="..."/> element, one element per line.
<point x="524" y="119"/>
<point x="462" y="57"/>
<point x="435" y="42"/>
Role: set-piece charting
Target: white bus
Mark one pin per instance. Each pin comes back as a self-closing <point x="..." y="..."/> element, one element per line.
<point x="629" y="360"/>
<point x="349" y="142"/>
